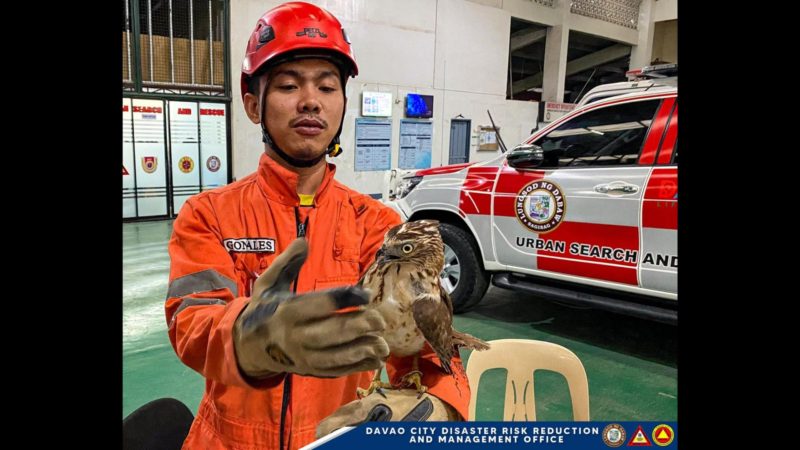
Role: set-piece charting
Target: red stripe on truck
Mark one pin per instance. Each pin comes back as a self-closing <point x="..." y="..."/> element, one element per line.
<point x="665" y="156"/>
<point x="476" y="191"/>
<point x="442" y="170"/>
<point x="660" y="207"/>
<point x="597" y="271"/>
<point x="656" y="132"/>
<point x="616" y="247"/>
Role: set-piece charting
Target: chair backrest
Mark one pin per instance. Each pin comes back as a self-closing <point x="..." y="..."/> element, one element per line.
<point x="162" y="424"/>
<point x="521" y="357"/>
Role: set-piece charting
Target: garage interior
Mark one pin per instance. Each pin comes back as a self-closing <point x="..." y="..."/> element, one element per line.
<point x="509" y="56"/>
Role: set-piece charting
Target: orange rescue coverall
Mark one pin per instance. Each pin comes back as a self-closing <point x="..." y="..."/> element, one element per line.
<point x="222" y="240"/>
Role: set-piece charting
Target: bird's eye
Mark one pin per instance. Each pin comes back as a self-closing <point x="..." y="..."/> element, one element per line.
<point x="407" y="248"/>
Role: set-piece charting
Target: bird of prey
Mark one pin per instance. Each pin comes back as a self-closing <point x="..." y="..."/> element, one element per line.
<point x="404" y="287"/>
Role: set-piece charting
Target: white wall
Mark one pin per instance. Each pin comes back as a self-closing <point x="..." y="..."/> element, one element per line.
<point x="664" y="10"/>
<point x="665" y="41"/>
<point x="456" y="50"/>
<point x="471" y="47"/>
<point x="245" y="136"/>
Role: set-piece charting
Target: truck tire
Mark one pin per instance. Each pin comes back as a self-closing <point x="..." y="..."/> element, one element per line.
<point x="463" y="275"/>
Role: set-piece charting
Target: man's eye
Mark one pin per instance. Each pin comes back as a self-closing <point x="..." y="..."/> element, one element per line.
<point x="287" y="87"/>
<point x="327" y="89"/>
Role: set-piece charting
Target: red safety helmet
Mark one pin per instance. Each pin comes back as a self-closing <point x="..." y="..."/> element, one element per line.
<point x="297" y="30"/>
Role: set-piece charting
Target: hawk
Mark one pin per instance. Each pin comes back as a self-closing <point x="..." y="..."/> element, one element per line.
<point x="404" y="288"/>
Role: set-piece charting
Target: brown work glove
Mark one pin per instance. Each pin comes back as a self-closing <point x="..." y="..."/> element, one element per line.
<point x="279" y="331"/>
<point x="401" y="405"/>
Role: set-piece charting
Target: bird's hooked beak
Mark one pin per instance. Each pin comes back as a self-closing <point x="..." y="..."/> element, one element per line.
<point x="386" y="255"/>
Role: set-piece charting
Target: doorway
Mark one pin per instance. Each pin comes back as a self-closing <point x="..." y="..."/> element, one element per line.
<point x="459" y="141"/>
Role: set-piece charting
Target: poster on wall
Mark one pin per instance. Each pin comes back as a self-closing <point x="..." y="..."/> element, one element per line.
<point x="415" y="144"/>
<point x="150" y="150"/>
<point x="184" y="147"/>
<point x="128" y="164"/>
<point x="376" y="104"/>
<point x="213" y="162"/>
<point x="487" y="138"/>
<point x="373" y="144"/>
<point x="553" y="111"/>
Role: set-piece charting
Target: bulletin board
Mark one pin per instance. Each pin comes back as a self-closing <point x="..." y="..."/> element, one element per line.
<point x="415" y="144"/>
<point x="487" y="138"/>
<point x="373" y="144"/>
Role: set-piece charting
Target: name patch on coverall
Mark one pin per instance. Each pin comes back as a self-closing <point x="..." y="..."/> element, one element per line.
<point x="250" y="245"/>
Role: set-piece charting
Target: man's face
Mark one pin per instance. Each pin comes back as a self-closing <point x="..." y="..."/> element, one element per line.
<point x="305" y="104"/>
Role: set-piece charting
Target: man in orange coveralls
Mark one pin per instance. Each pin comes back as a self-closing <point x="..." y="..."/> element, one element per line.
<point x="277" y="365"/>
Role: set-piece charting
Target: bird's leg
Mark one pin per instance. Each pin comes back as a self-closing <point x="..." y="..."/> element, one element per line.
<point x="415" y="377"/>
<point x="375" y="386"/>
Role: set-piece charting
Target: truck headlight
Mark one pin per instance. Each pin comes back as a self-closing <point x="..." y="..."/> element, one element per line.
<point x="406" y="186"/>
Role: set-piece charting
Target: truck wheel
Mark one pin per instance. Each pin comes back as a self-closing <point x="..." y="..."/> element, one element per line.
<point x="463" y="276"/>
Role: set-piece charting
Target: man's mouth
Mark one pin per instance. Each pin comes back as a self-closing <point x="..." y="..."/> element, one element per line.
<point x="308" y="127"/>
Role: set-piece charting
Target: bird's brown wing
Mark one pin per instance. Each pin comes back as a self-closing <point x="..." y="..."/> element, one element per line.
<point x="435" y="320"/>
<point x="446" y="300"/>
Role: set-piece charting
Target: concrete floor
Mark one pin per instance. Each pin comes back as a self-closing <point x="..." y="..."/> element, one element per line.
<point x="631" y="364"/>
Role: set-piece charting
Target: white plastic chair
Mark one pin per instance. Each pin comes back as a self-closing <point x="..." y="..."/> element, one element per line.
<point x="521" y="357"/>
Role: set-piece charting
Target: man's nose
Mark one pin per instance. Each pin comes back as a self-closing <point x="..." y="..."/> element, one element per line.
<point x="309" y="101"/>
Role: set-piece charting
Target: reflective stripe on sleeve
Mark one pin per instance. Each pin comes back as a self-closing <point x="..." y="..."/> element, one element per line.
<point x="188" y="301"/>
<point x="204" y="281"/>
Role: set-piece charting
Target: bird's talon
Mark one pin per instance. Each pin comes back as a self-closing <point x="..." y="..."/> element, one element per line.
<point x="375" y="386"/>
<point x="414" y="378"/>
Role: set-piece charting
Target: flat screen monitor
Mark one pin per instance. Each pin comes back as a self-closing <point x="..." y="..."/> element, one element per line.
<point x="419" y="106"/>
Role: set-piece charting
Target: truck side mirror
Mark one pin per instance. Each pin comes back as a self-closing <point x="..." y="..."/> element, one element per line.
<point x="526" y="156"/>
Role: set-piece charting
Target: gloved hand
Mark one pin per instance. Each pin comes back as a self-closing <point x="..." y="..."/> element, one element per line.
<point x="280" y="332"/>
<point x="400" y="405"/>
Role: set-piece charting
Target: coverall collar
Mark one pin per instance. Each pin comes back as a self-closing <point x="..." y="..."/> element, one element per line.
<point x="280" y="184"/>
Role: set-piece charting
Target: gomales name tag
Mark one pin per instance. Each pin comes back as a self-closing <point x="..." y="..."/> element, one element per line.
<point x="250" y="245"/>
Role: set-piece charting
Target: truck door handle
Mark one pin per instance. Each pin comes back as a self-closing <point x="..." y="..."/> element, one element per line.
<point x="616" y="187"/>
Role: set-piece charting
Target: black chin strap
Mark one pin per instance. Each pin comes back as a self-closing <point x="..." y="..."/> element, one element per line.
<point x="333" y="148"/>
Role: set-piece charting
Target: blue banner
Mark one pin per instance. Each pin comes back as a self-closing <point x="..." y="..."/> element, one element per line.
<point x="502" y="435"/>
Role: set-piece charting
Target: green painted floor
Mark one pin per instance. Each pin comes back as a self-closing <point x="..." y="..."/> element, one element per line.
<point x="631" y="364"/>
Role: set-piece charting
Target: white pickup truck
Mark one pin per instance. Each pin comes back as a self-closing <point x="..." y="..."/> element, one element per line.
<point x="583" y="211"/>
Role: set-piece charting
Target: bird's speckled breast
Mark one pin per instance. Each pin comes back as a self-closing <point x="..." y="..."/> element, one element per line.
<point x="402" y="334"/>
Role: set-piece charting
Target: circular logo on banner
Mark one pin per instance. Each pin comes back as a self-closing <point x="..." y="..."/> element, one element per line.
<point x="213" y="163"/>
<point x="663" y="435"/>
<point x="186" y="164"/>
<point x="149" y="164"/>
<point x="540" y="206"/>
<point x="614" y="435"/>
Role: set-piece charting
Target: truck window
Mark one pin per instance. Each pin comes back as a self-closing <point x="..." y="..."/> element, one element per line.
<point x="612" y="135"/>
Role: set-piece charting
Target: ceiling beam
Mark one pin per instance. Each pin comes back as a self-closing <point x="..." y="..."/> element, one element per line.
<point x="582" y="47"/>
<point x="525" y="38"/>
<point x="612" y="69"/>
<point x="597" y="58"/>
<point x="536" y="54"/>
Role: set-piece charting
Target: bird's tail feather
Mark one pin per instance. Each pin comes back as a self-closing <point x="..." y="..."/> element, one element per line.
<point x="446" y="365"/>
<point x="468" y="341"/>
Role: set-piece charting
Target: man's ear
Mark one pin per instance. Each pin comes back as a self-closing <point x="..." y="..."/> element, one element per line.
<point x="251" y="107"/>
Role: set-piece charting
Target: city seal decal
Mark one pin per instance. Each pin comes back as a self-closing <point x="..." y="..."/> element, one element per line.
<point x="614" y="435"/>
<point x="541" y="206"/>
<point x="250" y="245"/>
<point x="186" y="164"/>
<point x="149" y="164"/>
<point x="213" y="164"/>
